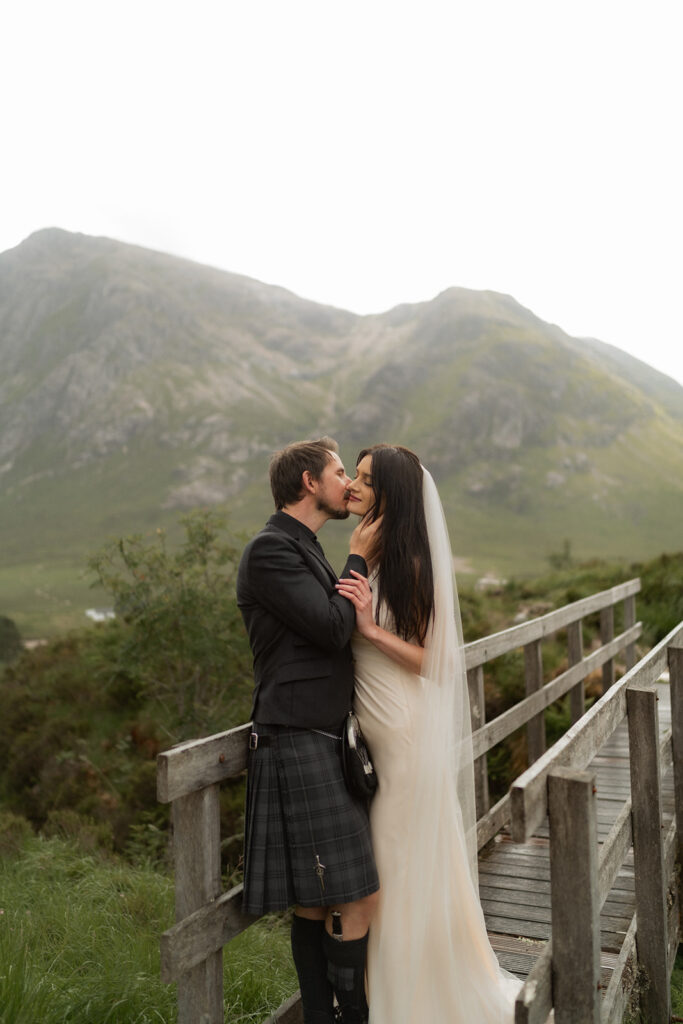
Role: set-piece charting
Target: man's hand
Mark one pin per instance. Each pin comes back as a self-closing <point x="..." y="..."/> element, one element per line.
<point x="359" y="593"/>
<point x="365" y="539"/>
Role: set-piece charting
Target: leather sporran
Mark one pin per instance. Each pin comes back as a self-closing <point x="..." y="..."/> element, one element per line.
<point x="359" y="773"/>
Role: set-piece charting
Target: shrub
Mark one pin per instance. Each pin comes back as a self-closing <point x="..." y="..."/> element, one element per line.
<point x="10" y="640"/>
<point x="182" y="643"/>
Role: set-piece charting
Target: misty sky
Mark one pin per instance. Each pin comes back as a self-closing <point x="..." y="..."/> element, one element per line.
<point x="368" y="153"/>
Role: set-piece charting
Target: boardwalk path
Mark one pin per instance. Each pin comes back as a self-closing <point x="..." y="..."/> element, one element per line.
<point x="514" y="881"/>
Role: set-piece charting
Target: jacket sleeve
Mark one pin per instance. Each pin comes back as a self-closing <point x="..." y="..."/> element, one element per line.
<point x="282" y="581"/>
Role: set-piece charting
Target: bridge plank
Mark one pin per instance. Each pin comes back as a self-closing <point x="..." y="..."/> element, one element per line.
<point x="291" y="1012"/>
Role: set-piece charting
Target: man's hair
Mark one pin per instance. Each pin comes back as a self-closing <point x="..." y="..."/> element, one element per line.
<point x="288" y="465"/>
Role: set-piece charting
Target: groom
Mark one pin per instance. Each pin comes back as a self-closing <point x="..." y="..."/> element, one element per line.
<point x="307" y="840"/>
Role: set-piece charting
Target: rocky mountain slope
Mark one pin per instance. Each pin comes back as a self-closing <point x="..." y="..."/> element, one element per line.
<point x="135" y="385"/>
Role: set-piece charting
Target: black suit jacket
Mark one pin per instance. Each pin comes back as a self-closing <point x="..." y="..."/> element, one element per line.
<point x="298" y="626"/>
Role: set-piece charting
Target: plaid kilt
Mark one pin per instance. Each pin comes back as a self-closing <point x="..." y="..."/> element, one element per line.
<point x="299" y="816"/>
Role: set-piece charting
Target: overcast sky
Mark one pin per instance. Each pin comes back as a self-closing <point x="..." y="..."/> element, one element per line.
<point x="367" y="153"/>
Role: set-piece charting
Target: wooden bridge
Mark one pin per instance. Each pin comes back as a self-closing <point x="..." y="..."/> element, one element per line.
<point x="577" y="863"/>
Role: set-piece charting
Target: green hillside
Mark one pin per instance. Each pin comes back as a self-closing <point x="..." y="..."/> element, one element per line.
<point x="137" y="385"/>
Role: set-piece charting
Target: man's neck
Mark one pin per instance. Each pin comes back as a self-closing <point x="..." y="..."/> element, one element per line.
<point x="307" y="513"/>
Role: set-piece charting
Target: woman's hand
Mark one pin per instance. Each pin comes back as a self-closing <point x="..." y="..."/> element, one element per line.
<point x="365" y="538"/>
<point x="359" y="593"/>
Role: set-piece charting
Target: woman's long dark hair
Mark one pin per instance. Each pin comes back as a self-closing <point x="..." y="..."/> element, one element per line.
<point x="405" y="565"/>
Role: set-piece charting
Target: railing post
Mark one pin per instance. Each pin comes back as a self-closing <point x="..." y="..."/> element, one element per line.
<point x="630" y="620"/>
<point x="574" y="897"/>
<point x="607" y="634"/>
<point x="475" y="683"/>
<point x="533" y="677"/>
<point x="651" y="913"/>
<point x="675" y="657"/>
<point x="577" y="696"/>
<point x="196" y="845"/>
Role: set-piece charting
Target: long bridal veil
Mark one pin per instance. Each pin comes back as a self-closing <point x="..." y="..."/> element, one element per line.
<point x="437" y="926"/>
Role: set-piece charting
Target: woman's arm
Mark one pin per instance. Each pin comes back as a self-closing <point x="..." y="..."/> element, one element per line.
<point x="358" y="592"/>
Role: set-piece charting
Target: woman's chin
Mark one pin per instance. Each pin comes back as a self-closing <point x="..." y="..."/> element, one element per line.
<point x="356" y="511"/>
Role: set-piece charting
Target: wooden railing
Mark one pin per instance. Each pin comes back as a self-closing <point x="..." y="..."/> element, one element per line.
<point x="190" y="774"/>
<point x="566" y="976"/>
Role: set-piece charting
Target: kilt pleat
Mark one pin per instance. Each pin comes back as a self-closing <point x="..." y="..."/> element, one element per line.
<point x="307" y="840"/>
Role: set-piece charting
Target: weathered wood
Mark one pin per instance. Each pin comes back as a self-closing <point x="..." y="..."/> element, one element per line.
<point x="204" y="932"/>
<point x="533" y="682"/>
<point x="581" y="742"/>
<point x="503" y="725"/>
<point x="290" y="1012"/>
<point x="666" y="755"/>
<point x="535" y="999"/>
<point x="669" y="852"/>
<point x="630" y="620"/>
<point x="513" y="881"/>
<point x="675" y="662"/>
<point x="577" y="695"/>
<point x="620" y="986"/>
<point x="607" y="634"/>
<point x="651" y="936"/>
<point x="475" y="684"/>
<point x="574" y="889"/>
<point x="196" y="839"/>
<point x="480" y="651"/>
<point x="192" y="766"/>
<point x="674" y="934"/>
<point x="493" y="821"/>
<point x="613" y="851"/>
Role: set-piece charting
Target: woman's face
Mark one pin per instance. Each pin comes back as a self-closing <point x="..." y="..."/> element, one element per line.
<point x="361" y="494"/>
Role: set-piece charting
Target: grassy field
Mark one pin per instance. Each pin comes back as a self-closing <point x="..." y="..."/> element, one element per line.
<point x="79" y="940"/>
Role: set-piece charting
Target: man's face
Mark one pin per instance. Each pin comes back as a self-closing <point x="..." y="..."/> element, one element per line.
<point x="331" y="495"/>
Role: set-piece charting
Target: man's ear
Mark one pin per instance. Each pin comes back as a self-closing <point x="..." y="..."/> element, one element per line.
<point x="307" y="482"/>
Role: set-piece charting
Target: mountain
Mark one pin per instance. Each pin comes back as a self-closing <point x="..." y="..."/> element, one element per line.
<point x="136" y="385"/>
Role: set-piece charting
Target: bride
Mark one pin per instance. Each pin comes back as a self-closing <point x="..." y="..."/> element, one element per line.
<point x="429" y="958"/>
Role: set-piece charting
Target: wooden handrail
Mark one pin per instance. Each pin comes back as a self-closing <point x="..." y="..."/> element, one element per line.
<point x="489" y="647"/>
<point x="190" y="773"/>
<point x="581" y="742"/>
<point x="191" y="766"/>
<point x="507" y="722"/>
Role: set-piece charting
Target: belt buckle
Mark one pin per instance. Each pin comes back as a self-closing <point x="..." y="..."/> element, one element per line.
<point x="253" y="740"/>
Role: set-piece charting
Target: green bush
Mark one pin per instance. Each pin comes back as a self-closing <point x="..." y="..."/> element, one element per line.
<point x="182" y="644"/>
<point x="85" y="716"/>
<point x="10" y="640"/>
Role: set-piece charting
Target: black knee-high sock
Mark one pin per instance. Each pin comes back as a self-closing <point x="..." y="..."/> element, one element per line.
<point x="346" y="971"/>
<point x="311" y="966"/>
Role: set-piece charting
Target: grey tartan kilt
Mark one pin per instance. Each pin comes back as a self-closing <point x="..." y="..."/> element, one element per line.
<point x="307" y="840"/>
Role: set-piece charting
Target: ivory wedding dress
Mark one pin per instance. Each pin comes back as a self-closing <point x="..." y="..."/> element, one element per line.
<point x="429" y="958"/>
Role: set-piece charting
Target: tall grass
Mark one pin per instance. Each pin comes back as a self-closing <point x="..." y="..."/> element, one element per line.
<point x="79" y="943"/>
